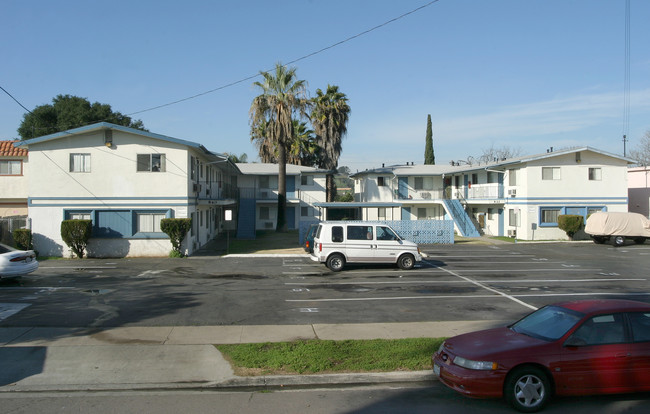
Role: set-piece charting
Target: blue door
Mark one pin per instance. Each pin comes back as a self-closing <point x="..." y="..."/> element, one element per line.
<point x="501" y="223"/>
<point x="403" y="188"/>
<point x="291" y="186"/>
<point x="291" y="218"/>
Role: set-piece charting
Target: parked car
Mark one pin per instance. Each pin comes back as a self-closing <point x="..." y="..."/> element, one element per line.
<point x="617" y="227"/>
<point x="570" y="348"/>
<point x="308" y="244"/>
<point x="338" y="242"/>
<point x="15" y="263"/>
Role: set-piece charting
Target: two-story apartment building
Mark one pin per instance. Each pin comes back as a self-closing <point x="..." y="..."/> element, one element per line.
<point x="125" y="181"/>
<point x="13" y="189"/>
<point x="13" y="180"/>
<point x="519" y="197"/>
<point x="639" y="189"/>
<point x="259" y="184"/>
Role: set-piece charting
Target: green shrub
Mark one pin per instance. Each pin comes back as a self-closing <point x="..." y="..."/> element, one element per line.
<point x="176" y="229"/>
<point x="174" y="254"/>
<point x="23" y="239"/>
<point x="75" y="234"/>
<point x="571" y="224"/>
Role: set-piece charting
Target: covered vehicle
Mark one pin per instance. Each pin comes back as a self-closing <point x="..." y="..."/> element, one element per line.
<point x="617" y="227"/>
<point x="15" y="263"/>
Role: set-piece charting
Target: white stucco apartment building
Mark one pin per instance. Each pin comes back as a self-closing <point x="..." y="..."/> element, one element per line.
<point x="125" y="180"/>
<point x="305" y="187"/>
<point x="519" y="197"/>
<point x="639" y="189"/>
<point x="13" y="180"/>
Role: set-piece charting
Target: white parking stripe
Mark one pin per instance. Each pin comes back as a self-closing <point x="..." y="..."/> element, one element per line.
<point x="436" y="282"/>
<point x="479" y="284"/>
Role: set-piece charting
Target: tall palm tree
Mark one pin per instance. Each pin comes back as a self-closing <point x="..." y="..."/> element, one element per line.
<point x="303" y="149"/>
<point x="329" y="116"/>
<point x="282" y="97"/>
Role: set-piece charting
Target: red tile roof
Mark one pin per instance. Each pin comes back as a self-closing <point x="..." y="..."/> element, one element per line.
<point x="7" y="149"/>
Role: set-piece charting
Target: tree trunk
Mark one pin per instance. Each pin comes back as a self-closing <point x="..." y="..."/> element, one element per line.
<point x="330" y="188"/>
<point x="281" y="225"/>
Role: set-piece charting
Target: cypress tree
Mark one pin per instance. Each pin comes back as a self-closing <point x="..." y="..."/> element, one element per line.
<point x="429" y="158"/>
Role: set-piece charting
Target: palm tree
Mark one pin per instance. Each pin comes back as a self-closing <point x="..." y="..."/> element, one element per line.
<point x="282" y="97"/>
<point x="302" y="149"/>
<point x="329" y="117"/>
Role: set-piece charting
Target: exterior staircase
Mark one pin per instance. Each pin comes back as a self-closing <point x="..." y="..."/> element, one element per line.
<point x="246" y="219"/>
<point x="463" y="221"/>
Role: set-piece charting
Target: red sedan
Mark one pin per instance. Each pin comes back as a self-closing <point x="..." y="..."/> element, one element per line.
<point x="570" y="348"/>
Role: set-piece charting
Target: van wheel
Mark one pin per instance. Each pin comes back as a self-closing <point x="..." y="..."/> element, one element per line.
<point x="639" y="240"/>
<point x="335" y="262"/>
<point x="406" y="262"/>
<point x="618" y="241"/>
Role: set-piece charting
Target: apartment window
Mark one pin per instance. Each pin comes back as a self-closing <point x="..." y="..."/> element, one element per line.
<point x="381" y="213"/>
<point x="192" y="169"/>
<point x="149" y="222"/>
<point x="492" y="177"/>
<point x="512" y="217"/>
<point x="11" y="167"/>
<point x="595" y="174"/>
<point x="306" y="180"/>
<point x="490" y="214"/>
<point x="77" y="215"/>
<point x="422" y="213"/>
<point x="380" y="182"/>
<point x="79" y="162"/>
<point x="264" y="213"/>
<point x="474" y="178"/>
<point x="419" y="183"/>
<point x="305" y="211"/>
<point x="549" y="215"/>
<point x="151" y="163"/>
<point x="512" y="177"/>
<point x="550" y="173"/>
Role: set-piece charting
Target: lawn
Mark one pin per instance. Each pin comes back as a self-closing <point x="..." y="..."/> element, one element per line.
<point x="321" y="356"/>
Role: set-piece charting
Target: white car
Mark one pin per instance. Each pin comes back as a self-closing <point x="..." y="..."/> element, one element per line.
<point x="16" y="263"/>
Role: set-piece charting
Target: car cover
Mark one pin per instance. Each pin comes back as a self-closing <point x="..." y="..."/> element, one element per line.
<point x="618" y="224"/>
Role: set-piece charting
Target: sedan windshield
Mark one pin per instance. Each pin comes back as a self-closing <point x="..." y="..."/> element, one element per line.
<point x="549" y="323"/>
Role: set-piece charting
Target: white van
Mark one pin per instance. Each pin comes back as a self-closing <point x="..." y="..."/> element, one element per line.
<point x="338" y="242"/>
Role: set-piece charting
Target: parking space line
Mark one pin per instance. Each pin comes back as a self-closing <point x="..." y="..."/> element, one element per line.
<point x="481" y="285"/>
<point x="391" y="298"/>
<point x="436" y="282"/>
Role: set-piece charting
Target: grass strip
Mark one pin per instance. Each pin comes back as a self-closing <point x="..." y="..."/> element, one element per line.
<point x="321" y="356"/>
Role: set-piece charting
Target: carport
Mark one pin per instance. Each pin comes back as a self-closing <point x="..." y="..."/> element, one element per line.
<point x="357" y="211"/>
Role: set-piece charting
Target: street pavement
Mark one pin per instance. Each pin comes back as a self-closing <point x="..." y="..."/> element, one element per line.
<point x="184" y="357"/>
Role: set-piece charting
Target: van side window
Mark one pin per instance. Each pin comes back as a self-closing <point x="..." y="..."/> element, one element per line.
<point x="384" y="233"/>
<point x="360" y="233"/>
<point x="337" y="234"/>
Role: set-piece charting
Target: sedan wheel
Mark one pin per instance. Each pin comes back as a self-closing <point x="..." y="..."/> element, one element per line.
<point x="528" y="389"/>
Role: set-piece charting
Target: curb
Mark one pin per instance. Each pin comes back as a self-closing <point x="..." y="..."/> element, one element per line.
<point x="244" y="383"/>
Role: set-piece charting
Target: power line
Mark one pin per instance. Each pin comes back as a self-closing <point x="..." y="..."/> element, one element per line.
<point x="333" y="45"/>
<point x="248" y="78"/>
<point x="12" y="97"/>
<point x="626" y="80"/>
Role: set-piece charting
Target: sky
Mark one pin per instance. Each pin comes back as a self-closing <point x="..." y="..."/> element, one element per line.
<point x="524" y="75"/>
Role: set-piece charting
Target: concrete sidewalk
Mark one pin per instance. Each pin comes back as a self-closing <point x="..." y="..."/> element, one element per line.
<point x="127" y="358"/>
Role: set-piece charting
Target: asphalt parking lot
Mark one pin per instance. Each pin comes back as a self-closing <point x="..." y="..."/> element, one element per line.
<point x="462" y="282"/>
